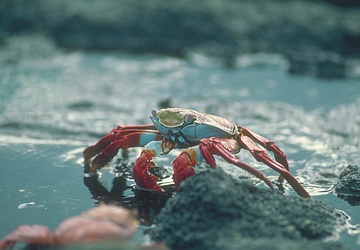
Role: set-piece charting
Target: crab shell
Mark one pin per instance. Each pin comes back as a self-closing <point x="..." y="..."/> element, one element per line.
<point x="188" y="126"/>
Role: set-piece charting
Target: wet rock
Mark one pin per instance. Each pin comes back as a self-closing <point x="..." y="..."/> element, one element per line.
<point x="81" y="105"/>
<point x="273" y="244"/>
<point x="348" y="186"/>
<point x="320" y="64"/>
<point x="212" y="210"/>
<point x="345" y="3"/>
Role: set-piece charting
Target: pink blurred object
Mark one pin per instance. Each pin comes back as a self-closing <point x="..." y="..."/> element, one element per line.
<point x="105" y="222"/>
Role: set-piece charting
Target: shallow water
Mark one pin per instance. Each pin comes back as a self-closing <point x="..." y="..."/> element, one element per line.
<point x="51" y="109"/>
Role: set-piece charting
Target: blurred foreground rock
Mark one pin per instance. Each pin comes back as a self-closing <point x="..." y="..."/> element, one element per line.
<point x="212" y="210"/>
<point x="317" y="37"/>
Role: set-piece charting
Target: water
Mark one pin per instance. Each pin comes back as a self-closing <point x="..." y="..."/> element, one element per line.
<point x="52" y="108"/>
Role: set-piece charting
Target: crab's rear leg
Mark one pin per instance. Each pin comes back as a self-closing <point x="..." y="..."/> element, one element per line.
<point x="261" y="156"/>
<point x="116" y="133"/>
<point x="184" y="163"/>
<point x="270" y="145"/>
<point x="120" y="140"/>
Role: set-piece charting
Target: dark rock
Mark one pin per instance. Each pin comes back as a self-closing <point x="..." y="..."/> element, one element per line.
<point x="273" y="244"/>
<point x="352" y="43"/>
<point x="212" y="210"/>
<point x="348" y="186"/>
<point x="322" y="65"/>
<point x="345" y="3"/>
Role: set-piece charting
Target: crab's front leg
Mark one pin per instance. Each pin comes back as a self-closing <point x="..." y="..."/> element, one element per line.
<point x="184" y="163"/>
<point x="143" y="178"/>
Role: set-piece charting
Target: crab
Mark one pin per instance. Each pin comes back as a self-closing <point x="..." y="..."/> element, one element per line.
<point x="200" y="136"/>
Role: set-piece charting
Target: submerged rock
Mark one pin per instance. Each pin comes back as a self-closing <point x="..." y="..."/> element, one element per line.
<point x="348" y="186"/>
<point x="212" y="210"/>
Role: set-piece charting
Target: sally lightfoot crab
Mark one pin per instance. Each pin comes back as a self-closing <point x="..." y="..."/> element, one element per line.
<point x="200" y="135"/>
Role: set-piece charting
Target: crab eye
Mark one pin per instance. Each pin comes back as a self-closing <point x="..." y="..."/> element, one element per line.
<point x="154" y="112"/>
<point x="189" y="118"/>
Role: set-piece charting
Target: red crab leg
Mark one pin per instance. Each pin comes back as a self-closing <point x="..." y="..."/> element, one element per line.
<point x="224" y="148"/>
<point x="143" y="178"/>
<point x="270" y="145"/>
<point x="261" y="156"/>
<point x="120" y="141"/>
<point x="116" y="133"/>
<point x="184" y="163"/>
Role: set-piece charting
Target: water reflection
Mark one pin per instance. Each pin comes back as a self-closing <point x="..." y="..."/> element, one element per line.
<point x="147" y="204"/>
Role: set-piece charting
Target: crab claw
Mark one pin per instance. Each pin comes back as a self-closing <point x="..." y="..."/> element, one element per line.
<point x="143" y="178"/>
<point x="183" y="167"/>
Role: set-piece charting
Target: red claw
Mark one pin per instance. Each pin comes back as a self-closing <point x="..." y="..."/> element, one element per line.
<point x="142" y="177"/>
<point x="183" y="167"/>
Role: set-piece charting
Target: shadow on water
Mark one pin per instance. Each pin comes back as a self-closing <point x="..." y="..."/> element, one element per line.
<point x="146" y="204"/>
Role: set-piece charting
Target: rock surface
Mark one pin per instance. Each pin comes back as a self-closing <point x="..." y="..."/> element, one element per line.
<point x="212" y="210"/>
<point x="348" y="186"/>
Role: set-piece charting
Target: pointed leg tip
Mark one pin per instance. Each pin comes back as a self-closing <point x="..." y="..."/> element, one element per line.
<point x="159" y="189"/>
<point x="305" y="195"/>
<point x="86" y="167"/>
<point x="281" y="179"/>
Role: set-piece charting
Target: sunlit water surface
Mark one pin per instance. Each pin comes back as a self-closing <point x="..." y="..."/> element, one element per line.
<point x="52" y="109"/>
